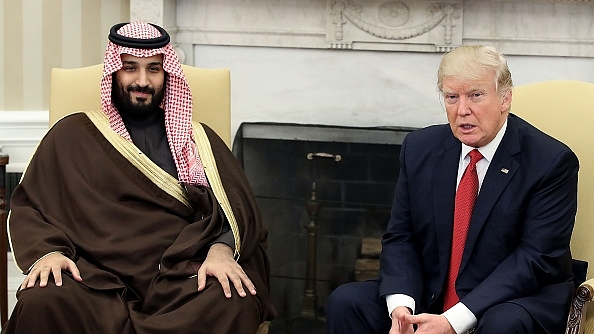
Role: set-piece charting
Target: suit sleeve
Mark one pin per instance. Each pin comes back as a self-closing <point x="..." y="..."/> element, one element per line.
<point x="400" y="268"/>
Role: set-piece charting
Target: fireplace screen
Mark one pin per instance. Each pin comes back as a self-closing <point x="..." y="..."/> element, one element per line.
<point x="321" y="191"/>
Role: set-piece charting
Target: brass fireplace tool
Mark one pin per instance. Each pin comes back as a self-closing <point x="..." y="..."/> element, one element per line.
<point x="313" y="206"/>
<point x="309" y="308"/>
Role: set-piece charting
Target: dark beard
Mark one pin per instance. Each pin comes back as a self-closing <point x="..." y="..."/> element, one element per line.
<point x="122" y="100"/>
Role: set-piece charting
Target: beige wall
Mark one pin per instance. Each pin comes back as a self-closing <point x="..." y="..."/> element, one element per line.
<point x="37" y="35"/>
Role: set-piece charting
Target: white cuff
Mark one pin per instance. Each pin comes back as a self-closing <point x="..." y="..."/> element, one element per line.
<point x="396" y="300"/>
<point x="461" y="318"/>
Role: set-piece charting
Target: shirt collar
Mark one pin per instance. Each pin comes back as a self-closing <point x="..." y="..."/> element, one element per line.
<point x="488" y="151"/>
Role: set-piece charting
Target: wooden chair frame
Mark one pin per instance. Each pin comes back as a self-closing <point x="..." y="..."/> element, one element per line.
<point x="3" y="241"/>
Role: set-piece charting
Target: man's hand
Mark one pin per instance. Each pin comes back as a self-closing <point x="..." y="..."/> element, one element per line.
<point x="400" y="323"/>
<point x="50" y="264"/>
<point x="430" y="324"/>
<point x="219" y="263"/>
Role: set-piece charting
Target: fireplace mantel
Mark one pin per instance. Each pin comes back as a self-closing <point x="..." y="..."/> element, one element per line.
<point x="528" y="27"/>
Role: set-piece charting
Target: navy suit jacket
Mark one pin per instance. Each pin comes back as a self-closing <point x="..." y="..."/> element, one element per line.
<point x="517" y="247"/>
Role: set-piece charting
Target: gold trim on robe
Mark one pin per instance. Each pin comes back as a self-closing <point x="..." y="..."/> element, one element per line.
<point x="163" y="179"/>
<point x="212" y="174"/>
<point x="144" y="164"/>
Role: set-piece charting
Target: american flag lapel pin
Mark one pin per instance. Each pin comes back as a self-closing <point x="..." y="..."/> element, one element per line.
<point x="504" y="170"/>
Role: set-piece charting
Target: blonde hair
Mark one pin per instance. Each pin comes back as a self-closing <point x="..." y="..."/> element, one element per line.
<point x="471" y="62"/>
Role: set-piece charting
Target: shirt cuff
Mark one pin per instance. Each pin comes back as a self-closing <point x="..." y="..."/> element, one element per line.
<point x="461" y="318"/>
<point x="395" y="300"/>
<point x="227" y="239"/>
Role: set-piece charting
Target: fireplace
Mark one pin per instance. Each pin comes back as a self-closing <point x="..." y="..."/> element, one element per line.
<point x="347" y="173"/>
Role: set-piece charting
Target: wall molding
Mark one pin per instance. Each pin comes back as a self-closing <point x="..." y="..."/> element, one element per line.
<point x="20" y="132"/>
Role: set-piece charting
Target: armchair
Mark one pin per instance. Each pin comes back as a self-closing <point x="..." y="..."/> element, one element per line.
<point x="565" y="110"/>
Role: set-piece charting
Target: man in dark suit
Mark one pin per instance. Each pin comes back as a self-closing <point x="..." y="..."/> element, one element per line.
<point x="514" y="273"/>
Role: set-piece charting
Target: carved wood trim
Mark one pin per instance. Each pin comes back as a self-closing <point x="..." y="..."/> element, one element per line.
<point x="3" y="242"/>
<point x="577" y="312"/>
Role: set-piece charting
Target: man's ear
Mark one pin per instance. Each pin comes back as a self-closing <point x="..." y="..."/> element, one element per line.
<point x="506" y="100"/>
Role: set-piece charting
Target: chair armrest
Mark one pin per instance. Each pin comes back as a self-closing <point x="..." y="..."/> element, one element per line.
<point x="577" y="312"/>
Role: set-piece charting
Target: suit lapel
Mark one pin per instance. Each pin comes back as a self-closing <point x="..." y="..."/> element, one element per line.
<point x="445" y="172"/>
<point x="500" y="172"/>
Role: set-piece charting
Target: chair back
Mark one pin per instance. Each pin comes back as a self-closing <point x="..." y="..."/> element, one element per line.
<point x="565" y="110"/>
<point x="78" y="89"/>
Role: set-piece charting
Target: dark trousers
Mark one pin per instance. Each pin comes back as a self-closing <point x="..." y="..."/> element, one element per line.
<point x="358" y="309"/>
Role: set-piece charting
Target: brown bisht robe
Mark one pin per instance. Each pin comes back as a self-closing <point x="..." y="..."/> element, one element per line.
<point x="133" y="232"/>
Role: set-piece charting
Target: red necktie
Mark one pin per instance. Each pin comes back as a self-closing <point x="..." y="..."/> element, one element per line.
<point x="465" y="198"/>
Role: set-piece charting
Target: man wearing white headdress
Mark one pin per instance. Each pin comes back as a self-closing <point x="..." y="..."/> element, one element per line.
<point x="115" y="223"/>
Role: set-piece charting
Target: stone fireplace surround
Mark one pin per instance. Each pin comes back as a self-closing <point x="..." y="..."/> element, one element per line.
<point x="367" y="62"/>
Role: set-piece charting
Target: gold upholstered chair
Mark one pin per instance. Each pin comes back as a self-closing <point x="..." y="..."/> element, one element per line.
<point x="78" y="89"/>
<point x="565" y="110"/>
